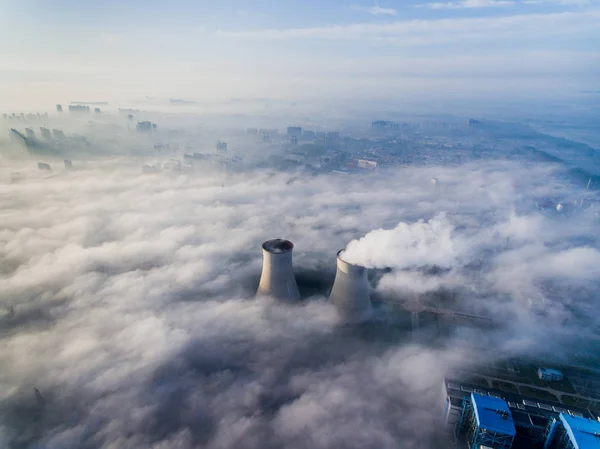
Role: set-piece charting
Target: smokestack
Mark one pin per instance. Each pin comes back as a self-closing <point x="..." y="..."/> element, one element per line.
<point x="350" y="292"/>
<point x="277" y="279"/>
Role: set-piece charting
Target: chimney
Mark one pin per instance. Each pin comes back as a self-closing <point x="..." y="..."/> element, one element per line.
<point x="277" y="279"/>
<point x="350" y="292"/>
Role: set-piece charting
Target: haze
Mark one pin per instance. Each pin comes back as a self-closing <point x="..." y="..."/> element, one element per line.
<point x="447" y="151"/>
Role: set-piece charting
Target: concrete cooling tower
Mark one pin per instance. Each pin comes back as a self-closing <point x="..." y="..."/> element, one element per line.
<point x="350" y="292"/>
<point x="277" y="279"/>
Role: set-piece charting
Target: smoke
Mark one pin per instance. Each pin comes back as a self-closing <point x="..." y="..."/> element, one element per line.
<point x="407" y="245"/>
<point x="130" y="301"/>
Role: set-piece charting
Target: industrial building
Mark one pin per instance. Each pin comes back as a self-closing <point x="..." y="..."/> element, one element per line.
<point x="572" y="432"/>
<point x="549" y="374"/>
<point x="485" y="421"/>
<point x="480" y="417"/>
<point x="350" y="292"/>
<point x="277" y="279"/>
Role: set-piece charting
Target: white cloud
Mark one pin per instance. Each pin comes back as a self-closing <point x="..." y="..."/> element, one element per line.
<point x="532" y="27"/>
<point x="376" y="10"/>
<point x="559" y="2"/>
<point x="467" y="4"/>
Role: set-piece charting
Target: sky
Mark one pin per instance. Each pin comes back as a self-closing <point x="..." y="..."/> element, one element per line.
<point x="292" y="49"/>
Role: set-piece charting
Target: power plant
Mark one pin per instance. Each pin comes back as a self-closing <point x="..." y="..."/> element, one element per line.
<point x="350" y="292"/>
<point x="277" y="279"/>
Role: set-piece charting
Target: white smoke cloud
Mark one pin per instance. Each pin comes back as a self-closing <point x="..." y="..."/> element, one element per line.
<point x="407" y="245"/>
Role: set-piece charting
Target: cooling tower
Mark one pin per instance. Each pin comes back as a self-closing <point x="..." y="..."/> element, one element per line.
<point x="350" y="292"/>
<point x="277" y="279"/>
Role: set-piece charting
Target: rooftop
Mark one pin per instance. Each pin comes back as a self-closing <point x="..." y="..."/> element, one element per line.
<point x="493" y="414"/>
<point x="584" y="433"/>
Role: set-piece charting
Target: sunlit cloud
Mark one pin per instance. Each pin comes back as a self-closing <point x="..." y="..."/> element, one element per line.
<point x="376" y="10"/>
<point x="467" y="4"/>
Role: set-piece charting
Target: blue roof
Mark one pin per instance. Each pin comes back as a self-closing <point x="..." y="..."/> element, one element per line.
<point x="584" y="433"/>
<point x="488" y="413"/>
<point x="550" y="371"/>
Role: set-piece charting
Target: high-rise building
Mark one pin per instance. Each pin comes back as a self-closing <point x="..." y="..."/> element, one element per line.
<point x="45" y="133"/>
<point x="58" y="134"/>
<point x="294" y="140"/>
<point x="30" y="133"/>
<point x="59" y="108"/>
<point x="333" y="138"/>
<point x="308" y="134"/>
<point x="294" y="131"/>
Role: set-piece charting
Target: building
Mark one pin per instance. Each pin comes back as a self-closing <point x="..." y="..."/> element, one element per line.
<point x="531" y="417"/>
<point x="44" y="167"/>
<point x="252" y="131"/>
<point x="221" y="147"/>
<point x="145" y="126"/>
<point x="366" y="164"/>
<point x="549" y="374"/>
<point x="333" y="138"/>
<point x="572" y="432"/>
<point x="294" y="131"/>
<point x="80" y="108"/>
<point x="59" y="108"/>
<point x="308" y="134"/>
<point x="45" y="133"/>
<point x="30" y="133"/>
<point x="485" y="421"/>
<point x="294" y="140"/>
<point x="58" y="134"/>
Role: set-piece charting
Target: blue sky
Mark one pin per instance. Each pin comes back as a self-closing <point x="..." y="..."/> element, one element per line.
<point x="237" y="48"/>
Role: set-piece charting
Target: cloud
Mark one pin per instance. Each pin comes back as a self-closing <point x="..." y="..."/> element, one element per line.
<point x="133" y="308"/>
<point x="446" y="31"/>
<point x="468" y="4"/>
<point x="558" y="2"/>
<point x="375" y="10"/>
